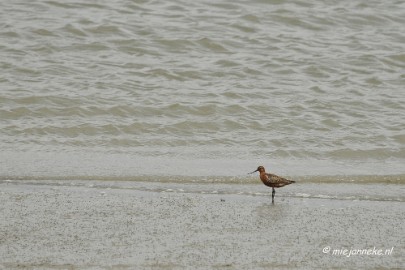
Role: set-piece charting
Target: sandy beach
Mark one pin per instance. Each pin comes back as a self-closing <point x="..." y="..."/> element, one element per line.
<point x="70" y="226"/>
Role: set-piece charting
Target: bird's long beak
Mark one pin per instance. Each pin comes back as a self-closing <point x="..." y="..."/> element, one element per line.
<point x="253" y="172"/>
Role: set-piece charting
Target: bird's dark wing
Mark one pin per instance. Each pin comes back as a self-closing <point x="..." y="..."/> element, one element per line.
<point x="278" y="181"/>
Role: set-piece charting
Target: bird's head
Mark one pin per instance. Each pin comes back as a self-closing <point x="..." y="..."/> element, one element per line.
<point x="259" y="169"/>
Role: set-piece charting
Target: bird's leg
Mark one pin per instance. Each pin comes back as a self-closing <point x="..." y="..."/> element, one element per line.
<point x="272" y="195"/>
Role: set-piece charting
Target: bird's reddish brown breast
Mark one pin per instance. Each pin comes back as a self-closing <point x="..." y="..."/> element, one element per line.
<point x="265" y="179"/>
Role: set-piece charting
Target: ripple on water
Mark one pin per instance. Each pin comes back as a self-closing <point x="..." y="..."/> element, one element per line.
<point x="274" y="80"/>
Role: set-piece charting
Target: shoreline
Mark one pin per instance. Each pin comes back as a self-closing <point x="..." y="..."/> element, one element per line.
<point x="81" y="227"/>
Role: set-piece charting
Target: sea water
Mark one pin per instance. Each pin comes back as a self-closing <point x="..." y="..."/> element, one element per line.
<point x="132" y="89"/>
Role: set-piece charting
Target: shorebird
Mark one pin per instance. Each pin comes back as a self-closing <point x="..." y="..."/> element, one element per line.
<point x="272" y="180"/>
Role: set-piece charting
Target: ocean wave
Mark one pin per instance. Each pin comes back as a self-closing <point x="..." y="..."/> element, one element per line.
<point x="286" y="80"/>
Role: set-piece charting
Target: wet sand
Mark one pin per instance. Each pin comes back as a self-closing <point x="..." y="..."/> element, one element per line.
<point x="85" y="227"/>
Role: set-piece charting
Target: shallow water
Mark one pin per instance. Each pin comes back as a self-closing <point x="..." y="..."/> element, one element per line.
<point x="339" y="191"/>
<point x="135" y="88"/>
<point x="134" y="225"/>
